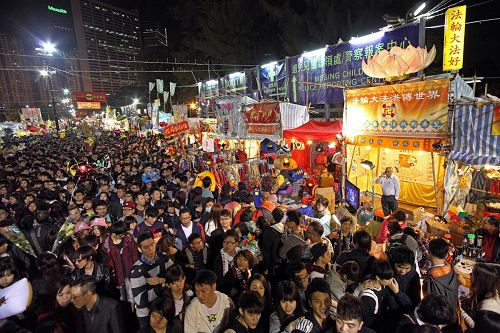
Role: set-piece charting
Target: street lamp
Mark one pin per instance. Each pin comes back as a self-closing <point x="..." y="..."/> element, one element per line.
<point x="136" y="101"/>
<point x="48" y="49"/>
<point x="368" y="165"/>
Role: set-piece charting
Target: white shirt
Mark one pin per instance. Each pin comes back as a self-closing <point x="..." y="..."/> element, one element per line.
<point x="390" y="185"/>
<point x="187" y="231"/>
<point x="199" y="318"/>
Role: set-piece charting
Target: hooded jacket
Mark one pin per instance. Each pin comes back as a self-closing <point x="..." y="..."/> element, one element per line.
<point x="442" y="280"/>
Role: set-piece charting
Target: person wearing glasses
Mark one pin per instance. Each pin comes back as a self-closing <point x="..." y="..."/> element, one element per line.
<point x="121" y="248"/>
<point x="188" y="227"/>
<point x="85" y="264"/>
<point x="226" y="256"/>
<point x="100" y="314"/>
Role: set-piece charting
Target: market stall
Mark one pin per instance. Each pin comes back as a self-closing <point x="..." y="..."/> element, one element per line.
<point x="304" y="139"/>
<point x="398" y="125"/>
<point x="473" y="171"/>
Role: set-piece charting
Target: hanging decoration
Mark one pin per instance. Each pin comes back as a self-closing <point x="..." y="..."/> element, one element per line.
<point x="398" y="63"/>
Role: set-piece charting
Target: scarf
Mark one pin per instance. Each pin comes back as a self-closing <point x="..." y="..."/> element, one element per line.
<point x="227" y="260"/>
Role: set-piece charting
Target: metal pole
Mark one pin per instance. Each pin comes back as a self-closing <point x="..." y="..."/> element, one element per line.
<point x="435" y="182"/>
<point x="51" y="92"/>
<point x="373" y="201"/>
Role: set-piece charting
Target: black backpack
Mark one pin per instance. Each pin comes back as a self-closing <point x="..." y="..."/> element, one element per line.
<point x="394" y="243"/>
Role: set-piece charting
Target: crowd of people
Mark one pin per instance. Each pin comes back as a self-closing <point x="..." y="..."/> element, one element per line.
<point x="126" y="243"/>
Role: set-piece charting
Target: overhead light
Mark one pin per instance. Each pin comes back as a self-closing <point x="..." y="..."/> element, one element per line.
<point x="236" y="74"/>
<point x="367" y="39"/>
<point x="65" y="91"/>
<point x="419" y="9"/>
<point x="473" y="81"/>
<point x="136" y="101"/>
<point x="210" y="82"/>
<point x="44" y="72"/>
<point x="48" y="48"/>
<point x="315" y="53"/>
<point x="339" y="136"/>
<point x="272" y="63"/>
<point x="368" y="165"/>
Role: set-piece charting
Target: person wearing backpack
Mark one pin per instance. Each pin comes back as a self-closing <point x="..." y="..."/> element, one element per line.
<point x="397" y="238"/>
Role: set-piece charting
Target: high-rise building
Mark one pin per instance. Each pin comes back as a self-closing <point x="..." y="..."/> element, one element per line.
<point x="15" y="86"/>
<point x="108" y="43"/>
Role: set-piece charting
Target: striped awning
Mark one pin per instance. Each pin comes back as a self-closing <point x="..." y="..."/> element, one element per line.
<point x="473" y="142"/>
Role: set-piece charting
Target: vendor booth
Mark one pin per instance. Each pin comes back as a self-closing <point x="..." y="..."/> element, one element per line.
<point x="397" y="126"/>
<point x="473" y="170"/>
<point x="304" y="139"/>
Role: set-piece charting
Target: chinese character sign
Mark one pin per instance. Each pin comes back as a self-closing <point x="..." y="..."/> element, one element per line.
<point x="416" y="109"/>
<point x="273" y="80"/>
<point x="176" y="128"/>
<point x="262" y="118"/>
<point x="312" y="76"/>
<point x="454" y="35"/>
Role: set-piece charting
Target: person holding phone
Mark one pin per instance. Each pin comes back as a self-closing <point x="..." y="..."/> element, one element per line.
<point x="390" y="191"/>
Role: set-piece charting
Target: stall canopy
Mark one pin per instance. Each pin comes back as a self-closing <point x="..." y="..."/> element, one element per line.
<point x="476" y="138"/>
<point x="315" y="130"/>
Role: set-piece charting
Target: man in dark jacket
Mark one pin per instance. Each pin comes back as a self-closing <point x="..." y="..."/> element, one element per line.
<point x="100" y="314"/>
<point x="491" y="240"/>
<point x="440" y="278"/>
<point x="362" y="243"/>
<point x="271" y="243"/>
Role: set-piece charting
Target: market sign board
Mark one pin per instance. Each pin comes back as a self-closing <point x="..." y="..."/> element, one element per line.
<point x="176" y="128"/>
<point x="316" y="77"/>
<point x="57" y="10"/>
<point x="88" y="105"/>
<point x="81" y="96"/>
<point x="273" y="80"/>
<point x="416" y="109"/>
<point x="454" y="36"/>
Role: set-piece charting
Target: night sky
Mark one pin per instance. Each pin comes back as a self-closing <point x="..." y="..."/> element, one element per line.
<point x="260" y="31"/>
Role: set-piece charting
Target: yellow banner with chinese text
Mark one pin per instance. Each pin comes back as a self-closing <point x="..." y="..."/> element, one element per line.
<point x="454" y="36"/>
<point x="416" y="109"/>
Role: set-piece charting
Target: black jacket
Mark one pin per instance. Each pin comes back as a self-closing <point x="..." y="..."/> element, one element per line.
<point x="270" y="246"/>
<point x="107" y="317"/>
<point x="102" y="273"/>
<point x="360" y="256"/>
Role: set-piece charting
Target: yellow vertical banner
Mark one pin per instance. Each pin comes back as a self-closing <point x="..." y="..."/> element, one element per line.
<point x="454" y="36"/>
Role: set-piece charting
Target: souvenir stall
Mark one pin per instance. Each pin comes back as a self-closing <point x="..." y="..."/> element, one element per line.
<point x="401" y="126"/>
<point x="472" y="182"/>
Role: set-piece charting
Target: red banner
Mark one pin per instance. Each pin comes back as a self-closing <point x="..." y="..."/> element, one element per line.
<point x="88" y="105"/>
<point x="81" y="96"/>
<point x="176" y="128"/>
<point x="262" y="129"/>
<point x="262" y="113"/>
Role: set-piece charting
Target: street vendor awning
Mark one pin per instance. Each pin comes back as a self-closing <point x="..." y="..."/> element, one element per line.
<point x="476" y="133"/>
<point x="315" y="131"/>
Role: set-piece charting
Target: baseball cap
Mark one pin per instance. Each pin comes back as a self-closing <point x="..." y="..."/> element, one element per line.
<point x="128" y="204"/>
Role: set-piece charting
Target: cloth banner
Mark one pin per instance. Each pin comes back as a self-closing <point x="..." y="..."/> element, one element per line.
<point x="293" y="115"/>
<point x="394" y="142"/>
<point x="151" y="86"/>
<point x="175" y="128"/>
<point x="172" y="88"/>
<point x="267" y="129"/>
<point x="473" y="140"/>
<point x="208" y="145"/>
<point x="416" y="109"/>
<point x="495" y="128"/>
<point x="261" y="113"/>
<point x="165" y="96"/>
<point x="159" y="85"/>
<point x="180" y="112"/>
<point x="32" y="113"/>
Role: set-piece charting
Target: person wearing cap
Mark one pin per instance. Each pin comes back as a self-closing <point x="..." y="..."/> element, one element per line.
<point x="320" y="264"/>
<point x="491" y="239"/>
<point x="81" y="230"/>
<point x="129" y="210"/>
<point x="99" y="228"/>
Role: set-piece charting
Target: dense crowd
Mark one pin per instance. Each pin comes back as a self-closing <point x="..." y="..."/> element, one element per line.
<point x="114" y="237"/>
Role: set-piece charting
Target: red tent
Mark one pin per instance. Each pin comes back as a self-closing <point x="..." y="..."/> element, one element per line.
<point x="315" y="130"/>
<point x="324" y="131"/>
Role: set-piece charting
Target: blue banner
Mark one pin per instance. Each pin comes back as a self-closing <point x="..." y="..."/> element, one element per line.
<point x="312" y="74"/>
<point x="273" y="80"/>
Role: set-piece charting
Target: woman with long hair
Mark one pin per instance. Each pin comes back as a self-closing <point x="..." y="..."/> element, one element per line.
<point x="213" y="221"/>
<point x="288" y="307"/>
<point x="484" y="292"/>
<point x="259" y="284"/>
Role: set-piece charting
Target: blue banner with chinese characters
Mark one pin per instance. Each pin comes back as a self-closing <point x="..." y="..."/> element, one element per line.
<point x="312" y="75"/>
<point x="273" y="80"/>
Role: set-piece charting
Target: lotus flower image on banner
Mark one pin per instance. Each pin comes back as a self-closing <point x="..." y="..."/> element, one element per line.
<point x="416" y="109"/>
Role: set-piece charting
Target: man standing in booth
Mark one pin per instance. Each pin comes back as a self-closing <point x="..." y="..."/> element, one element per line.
<point x="390" y="191"/>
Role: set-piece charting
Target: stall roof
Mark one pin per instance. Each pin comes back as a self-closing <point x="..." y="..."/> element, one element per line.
<point x="315" y="130"/>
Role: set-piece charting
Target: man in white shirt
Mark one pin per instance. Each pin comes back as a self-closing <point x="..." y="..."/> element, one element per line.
<point x="209" y="311"/>
<point x="390" y="191"/>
